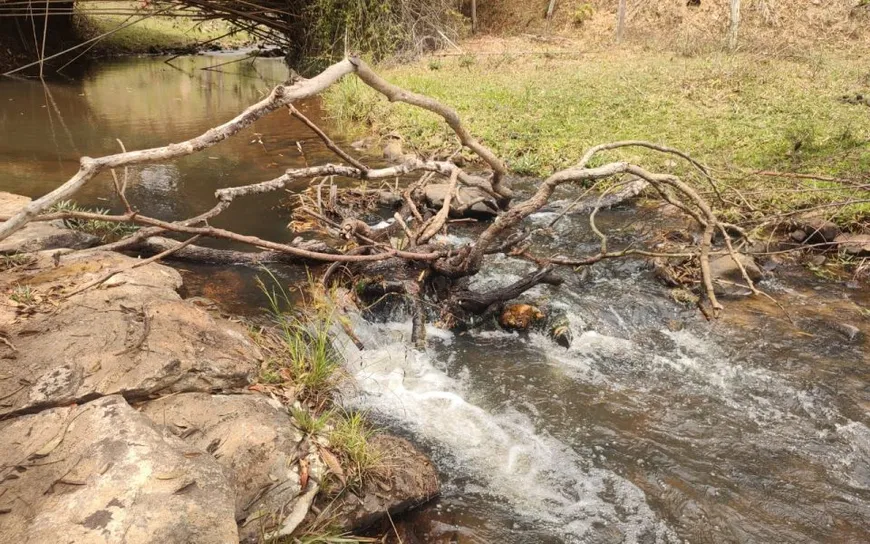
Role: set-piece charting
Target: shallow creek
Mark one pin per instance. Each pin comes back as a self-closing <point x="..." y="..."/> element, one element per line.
<point x="654" y="426"/>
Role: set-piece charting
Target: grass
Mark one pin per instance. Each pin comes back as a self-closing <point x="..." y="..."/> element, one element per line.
<point x="302" y="358"/>
<point x="152" y="34"/>
<point x="106" y="231"/>
<point x="351" y="437"/>
<point x="305" y="355"/>
<point x="738" y="113"/>
<point x="24" y="295"/>
<point x="14" y="260"/>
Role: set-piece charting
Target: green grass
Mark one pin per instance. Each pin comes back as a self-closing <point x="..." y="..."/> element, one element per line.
<point x="736" y="113"/>
<point x="152" y="34"/>
<point x="14" y="260"/>
<point x="106" y="231"/>
<point x="351" y="437"/>
<point x="23" y="294"/>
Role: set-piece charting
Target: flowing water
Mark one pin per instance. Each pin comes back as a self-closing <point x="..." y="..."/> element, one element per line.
<point x="654" y="426"/>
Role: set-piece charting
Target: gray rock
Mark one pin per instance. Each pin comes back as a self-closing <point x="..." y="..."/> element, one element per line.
<point x="38" y="236"/>
<point x="726" y="273"/>
<point x="132" y="335"/>
<point x="436" y="192"/>
<point x="857" y="245"/>
<point x="393" y="150"/>
<point x="814" y="229"/>
<point x="102" y="472"/>
<point x="256" y="443"/>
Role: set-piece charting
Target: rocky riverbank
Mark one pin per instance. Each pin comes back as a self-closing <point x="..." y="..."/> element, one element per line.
<point x="127" y="414"/>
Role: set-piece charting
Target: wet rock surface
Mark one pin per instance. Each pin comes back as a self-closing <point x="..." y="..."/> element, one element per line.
<point x="727" y="276"/>
<point x="200" y="459"/>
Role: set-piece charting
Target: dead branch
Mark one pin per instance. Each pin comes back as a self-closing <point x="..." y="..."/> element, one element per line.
<point x="279" y="97"/>
<point x="394" y="93"/>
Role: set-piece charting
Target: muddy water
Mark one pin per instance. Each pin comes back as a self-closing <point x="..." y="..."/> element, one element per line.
<point x="654" y="426"/>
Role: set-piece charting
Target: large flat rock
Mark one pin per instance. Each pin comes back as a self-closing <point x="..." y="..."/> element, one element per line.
<point x="253" y="438"/>
<point x="102" y="472"/>
<point x="132" y="335"/>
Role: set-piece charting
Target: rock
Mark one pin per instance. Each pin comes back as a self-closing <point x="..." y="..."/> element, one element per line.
<point x="726" y="273"/>
<point x="102" y="472"/>
<point x="253" y="438"/>
<point x="813" y="229"/>
<point x="393" y="150"/>
<point x="363" y="144"/>
<point x="436" y="192"/>
<point x="37" y="236"/>
<point x="851" y="332"/>
<point x="411" y="480"/>
<point x="857" y="245"/>
<point x="133" y="335"/>
<point x="520" y="316"/>
<point x="817" y="260"/>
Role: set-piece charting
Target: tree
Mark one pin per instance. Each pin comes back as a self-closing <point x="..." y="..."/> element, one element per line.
<point x="620" y="21"/>
<point x="734" y="27"/>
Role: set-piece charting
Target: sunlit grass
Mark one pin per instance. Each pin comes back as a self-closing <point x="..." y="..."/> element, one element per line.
<point x="738" y="114"/>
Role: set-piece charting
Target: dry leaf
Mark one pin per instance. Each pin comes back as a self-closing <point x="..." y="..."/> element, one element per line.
<point x="333" y="464"/>
<point x="303" y="473"/>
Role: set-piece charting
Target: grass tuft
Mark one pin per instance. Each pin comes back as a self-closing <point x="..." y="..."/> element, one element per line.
<point x="106" y="231"/>
<point x="351" y="437"/>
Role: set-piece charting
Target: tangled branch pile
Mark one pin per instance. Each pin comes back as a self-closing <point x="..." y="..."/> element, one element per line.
<point x="419" y="267"/>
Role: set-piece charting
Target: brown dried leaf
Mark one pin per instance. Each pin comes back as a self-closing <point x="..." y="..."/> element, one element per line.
<point x="333" y="464"/>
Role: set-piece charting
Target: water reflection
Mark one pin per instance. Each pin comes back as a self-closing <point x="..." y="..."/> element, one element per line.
<point x="44" y="130"/>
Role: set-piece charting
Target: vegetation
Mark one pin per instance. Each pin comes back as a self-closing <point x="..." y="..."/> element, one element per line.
<point x="106" y="231"/>
<point x="152" y="34"/>
<point x="301" y="357"/>
<point x="736" y="113"/>
<point x="14" y="260"/>
<point x="351" y="437"/>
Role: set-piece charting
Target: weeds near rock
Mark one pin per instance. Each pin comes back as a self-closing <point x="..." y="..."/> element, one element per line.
<point x="24" y="295"/>
<point x="15" y="260"/>
<point x="106" y="231"/>
<point x="351" y="438"/>
<point x="308" y="422"/>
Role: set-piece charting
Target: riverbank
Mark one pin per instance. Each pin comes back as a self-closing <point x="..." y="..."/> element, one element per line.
<point x="122" y="404"/>
<point x="539" y="105"/>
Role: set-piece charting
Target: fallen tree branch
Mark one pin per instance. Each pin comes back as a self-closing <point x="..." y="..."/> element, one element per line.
<point x="89" y="168"/>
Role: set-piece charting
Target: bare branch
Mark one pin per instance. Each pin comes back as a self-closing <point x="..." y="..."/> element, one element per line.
<point x="279" y="97"/>
<point x="394" y="93"/>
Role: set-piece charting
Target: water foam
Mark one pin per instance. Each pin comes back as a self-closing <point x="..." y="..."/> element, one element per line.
<point x="542" y="479"/>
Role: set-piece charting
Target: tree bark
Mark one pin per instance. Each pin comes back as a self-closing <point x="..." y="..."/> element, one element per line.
<point x="620" y="21"/>
<point x="734" y="26"/>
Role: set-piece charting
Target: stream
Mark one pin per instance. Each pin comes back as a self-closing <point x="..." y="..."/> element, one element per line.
<point x="654" y="426"/>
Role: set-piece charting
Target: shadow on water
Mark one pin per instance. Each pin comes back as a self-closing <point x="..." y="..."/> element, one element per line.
<point x="654" y="426"/>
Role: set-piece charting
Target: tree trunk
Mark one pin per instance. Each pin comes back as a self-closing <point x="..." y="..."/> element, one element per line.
<point x="620" y="21"/>
<point x="473" y="16"/>
<point x="550" y="9"/>
<point x="734" y="26"/>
